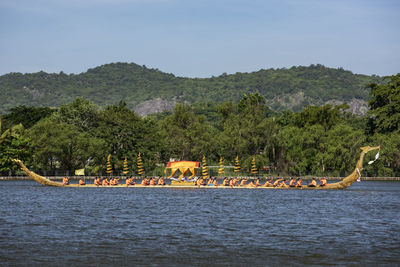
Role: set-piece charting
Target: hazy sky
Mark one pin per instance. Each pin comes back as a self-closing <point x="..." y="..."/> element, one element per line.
<point x="200" y="38"/>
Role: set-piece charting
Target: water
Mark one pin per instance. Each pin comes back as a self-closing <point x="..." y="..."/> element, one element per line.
<point x="199" y="227"/>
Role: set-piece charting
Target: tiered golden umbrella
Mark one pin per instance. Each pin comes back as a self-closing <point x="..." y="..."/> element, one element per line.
<point x="204" y="171"/>
<point x="221" y="167"/>
<point x="109" y="167"/>
<point x="140" y="169"/>
<point x="237" y="165"/>
<point x="125" y="168"/>
<point x="253" y="167"/>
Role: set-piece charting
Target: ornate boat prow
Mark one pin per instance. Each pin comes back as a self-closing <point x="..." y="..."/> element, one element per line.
<point x="349" y="180"/>
<point x="36" y="177"/>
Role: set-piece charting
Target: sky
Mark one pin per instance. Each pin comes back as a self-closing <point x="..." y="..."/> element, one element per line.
<point x="200" y="38"/>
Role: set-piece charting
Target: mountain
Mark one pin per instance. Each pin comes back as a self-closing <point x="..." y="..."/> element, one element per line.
<point x="150" y="90"/>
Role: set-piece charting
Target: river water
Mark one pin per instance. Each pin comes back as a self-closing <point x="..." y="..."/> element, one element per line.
<point x="199" y="227"/>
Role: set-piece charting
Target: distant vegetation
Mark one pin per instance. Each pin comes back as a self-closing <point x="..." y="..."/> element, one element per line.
<point x="291" y="88"/>
<point x="319" y="140"/>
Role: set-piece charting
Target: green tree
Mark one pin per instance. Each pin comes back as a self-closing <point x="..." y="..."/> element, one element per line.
<point x="13" y="145"/>
<point x="61" y="146"/>
<point x="126" y="134"/>
<point x="389" y="160"/>
<point x="385" y="105"/>
<point x="82" y="113"/>
<point x="186" y="135"/>
<point x="246" y="133"/>
<point x="326" y="116"/>
<point x="27" y="116"/>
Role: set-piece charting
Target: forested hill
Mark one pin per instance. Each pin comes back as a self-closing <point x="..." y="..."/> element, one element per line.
<point x="148" y="90"/>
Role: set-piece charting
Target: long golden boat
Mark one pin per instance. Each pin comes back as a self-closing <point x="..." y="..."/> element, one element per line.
<point x="344" y="183"/>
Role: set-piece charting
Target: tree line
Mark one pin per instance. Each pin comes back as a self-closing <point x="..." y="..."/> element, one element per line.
<point x="319" y="140"/>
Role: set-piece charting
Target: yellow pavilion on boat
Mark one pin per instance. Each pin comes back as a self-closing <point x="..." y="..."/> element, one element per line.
<point x="186" y="169"/>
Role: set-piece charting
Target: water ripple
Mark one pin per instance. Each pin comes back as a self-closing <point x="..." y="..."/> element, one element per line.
<point x="173" y="227"/>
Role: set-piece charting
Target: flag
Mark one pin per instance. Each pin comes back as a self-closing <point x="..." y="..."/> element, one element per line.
<point x="80" y="172"/>
<point x="376" y="158"/>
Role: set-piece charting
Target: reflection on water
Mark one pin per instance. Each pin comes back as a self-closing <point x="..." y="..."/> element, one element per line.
<point x="180" y="227"/>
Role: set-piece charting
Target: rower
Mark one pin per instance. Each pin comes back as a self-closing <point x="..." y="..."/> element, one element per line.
<point x="268" y="183"/>
<point x="283" y="184"/>
<point x="161" y="181"/>
<point x="210" y="181"/>
<point x="313" y="183"/>
<point x="198" y="182"/>
<point x="97" y="181"/>
<point x="257" y="182"/>
<point x="152" y="181"/>
<point x="323" y="181"/>
<point x="243" y="182"/>
<point x="81" y="182"/>
<point x="215" y="182"/>
<point x="132" y="182"/>
<point x="292" y="182"/>
<point x="105" y="182"/>
<point x="299" y="182"/>
<point x="128" y="181"/>
<point x="276" y="183"/>
<point x="225" y="182"/>
<point x="145" y="182"/>
<point x="65" y="181"/>
<point x="235" y="181"/>
<point x="251" y="184"/>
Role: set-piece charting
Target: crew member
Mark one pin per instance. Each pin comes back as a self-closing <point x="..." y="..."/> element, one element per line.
<point x="225" y="182"/>
<point x="105" y="182"/>
<point x="235" y="182"/>
<point x="65" y="181"/>
<point x="251" y="184"/>
<point x="152" y="181"/>
<point x="292" y="182"/>
<point x="323" y="181"/>
<point x="276" y="183"/>
<point x="215" y="182"/>
<point x="145" y="181"/>
<point x="201" y="181"/>
<point x="97" y="181"/>
<point x="243" y="182"/>
<point x="161" y="181"/>
<point x="268" y="183"/>
<point x="313" y="183"/>
<point x="81" y="182"/>
<point x="283" y="184"/>
<point x="257" y="182"/>
<point x="299" y="182"/>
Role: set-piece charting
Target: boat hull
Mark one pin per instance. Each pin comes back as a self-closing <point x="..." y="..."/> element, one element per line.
<point x="346" y="182"/>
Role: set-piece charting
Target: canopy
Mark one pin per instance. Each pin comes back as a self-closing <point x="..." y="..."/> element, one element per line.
<point x="184" y="167"/>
